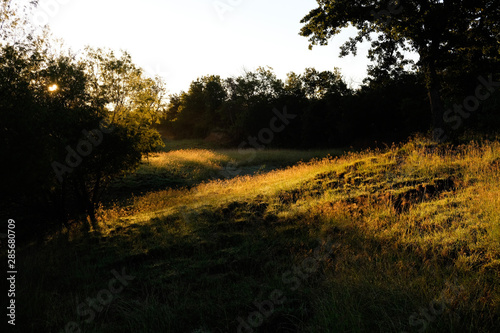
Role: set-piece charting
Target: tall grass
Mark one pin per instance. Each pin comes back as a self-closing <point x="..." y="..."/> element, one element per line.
<point x="408" y="230"/>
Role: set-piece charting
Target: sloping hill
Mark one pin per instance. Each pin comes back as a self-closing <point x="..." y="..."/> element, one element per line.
<point x="401" y="240"/>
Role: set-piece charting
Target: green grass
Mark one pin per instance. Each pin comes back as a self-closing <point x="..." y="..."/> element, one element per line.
<point x="376" y="241"/>
<point x="188" y="167"/>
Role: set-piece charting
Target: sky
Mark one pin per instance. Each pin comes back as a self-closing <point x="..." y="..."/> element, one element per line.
<point x="182" y="40"/>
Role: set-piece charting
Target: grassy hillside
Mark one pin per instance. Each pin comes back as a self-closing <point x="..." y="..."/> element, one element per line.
<point x="406" y="239"/>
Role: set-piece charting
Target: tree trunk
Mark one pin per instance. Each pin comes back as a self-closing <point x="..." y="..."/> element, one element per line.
<point x="93" y="219"/>
<point x="94" y="201"/>
<point x="86" y="202"/>
<point x="91" y="209"/>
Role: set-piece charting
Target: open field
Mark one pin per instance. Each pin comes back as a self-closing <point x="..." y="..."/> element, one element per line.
<point x="181" y="166"/>
<point x="406" y="239"/>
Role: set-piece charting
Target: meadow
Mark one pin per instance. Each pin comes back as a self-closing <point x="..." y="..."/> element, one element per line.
<point x="203" y="239"/>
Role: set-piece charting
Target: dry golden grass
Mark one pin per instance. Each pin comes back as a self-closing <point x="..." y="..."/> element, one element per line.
<point x="413" y="224"/>
<point x="412" y="162"/>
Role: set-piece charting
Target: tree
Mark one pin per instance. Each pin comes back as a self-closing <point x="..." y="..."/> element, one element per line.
<point x="443" y="32"/>
<point x="326" y="92"/>
<point x="131" y="98"/>
<point x="197" y="112"/>
<point x="35" y="122"/>
<point x="22" y="130"/>
<point x="64" y="142"/>
<point x="236" y="105"/>
<point x="250" y="100"/>
<point x="294" y="85"/>
<point x="317" y="85"/>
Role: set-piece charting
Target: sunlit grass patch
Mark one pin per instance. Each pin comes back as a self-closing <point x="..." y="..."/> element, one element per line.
<point x="193" y="164"/>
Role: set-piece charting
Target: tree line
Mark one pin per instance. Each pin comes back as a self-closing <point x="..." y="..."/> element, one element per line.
<point x="451" y="88"/>
<point x="329" y="113"/>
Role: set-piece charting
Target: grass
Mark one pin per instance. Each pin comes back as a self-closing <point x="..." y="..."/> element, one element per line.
<point x="406" y="239"/>
<point x="188" y="167"/>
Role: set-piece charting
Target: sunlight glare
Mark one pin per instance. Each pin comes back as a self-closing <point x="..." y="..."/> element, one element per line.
<point x="53" y="88"/>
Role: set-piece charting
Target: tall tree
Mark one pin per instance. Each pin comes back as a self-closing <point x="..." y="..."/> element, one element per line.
<point x="442" y="32"/>
<point x="132" y="99"/>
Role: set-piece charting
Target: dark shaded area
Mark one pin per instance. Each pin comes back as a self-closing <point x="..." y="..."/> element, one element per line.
<point x="236" y="256"/>
<point x="62" y="146"/>
<point x="321" y="111"/>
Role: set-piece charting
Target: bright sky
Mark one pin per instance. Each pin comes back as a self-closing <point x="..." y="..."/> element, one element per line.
<point x="182" y="40"/>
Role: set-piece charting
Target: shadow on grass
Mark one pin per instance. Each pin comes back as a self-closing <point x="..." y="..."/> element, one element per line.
<point x="213" y="270"/>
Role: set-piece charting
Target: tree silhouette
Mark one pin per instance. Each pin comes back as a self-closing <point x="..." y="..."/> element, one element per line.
<point x="446" y="34"/>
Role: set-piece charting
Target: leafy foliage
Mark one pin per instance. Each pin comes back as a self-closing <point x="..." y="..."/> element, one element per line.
<point x="53" y="109"/>
<point x="454" y="39"/>
<point x="329" y="113"/>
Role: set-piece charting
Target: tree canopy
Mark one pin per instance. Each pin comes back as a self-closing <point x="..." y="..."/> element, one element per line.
<point x="329" y="113"/>
<point x="70" y="124"/>
<point x="451" y="37"/>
